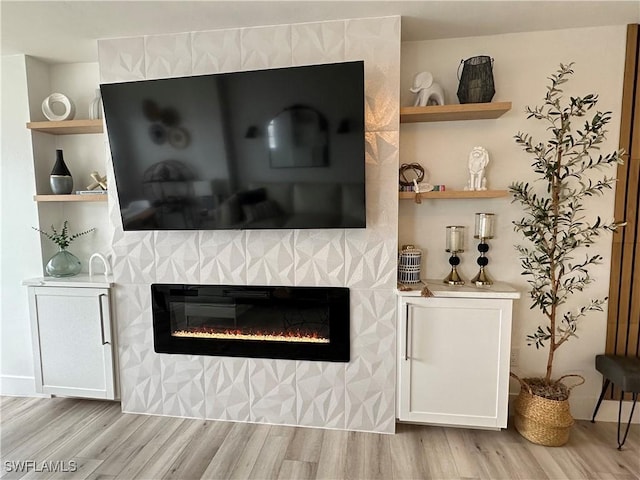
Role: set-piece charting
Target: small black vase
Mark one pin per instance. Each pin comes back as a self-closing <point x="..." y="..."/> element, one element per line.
<point x="60" y="179"/>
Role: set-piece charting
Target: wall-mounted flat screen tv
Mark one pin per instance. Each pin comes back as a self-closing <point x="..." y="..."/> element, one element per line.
<point x="264" y="149"/>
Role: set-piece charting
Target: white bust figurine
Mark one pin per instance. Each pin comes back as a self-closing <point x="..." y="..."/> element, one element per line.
<point x="478" y="160"/>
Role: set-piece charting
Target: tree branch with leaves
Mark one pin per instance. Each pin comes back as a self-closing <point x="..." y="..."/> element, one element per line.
<point x="554" y="225"/>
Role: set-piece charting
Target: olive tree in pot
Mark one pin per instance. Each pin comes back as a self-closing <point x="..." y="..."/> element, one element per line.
<point x="556" y="230"/>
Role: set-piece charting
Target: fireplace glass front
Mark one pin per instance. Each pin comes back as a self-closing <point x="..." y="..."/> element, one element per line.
<point x="304" y="323"/>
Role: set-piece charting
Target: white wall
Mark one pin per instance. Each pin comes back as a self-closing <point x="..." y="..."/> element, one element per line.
<point x="522" y="64"/>
<point x="19" y="245"/>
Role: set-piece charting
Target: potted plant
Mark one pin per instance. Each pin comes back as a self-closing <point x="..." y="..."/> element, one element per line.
<point x="63" y="263"/>
<point x="556" y="230"/>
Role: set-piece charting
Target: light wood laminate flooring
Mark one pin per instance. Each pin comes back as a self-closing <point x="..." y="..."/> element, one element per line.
<point x="99" y="442"/>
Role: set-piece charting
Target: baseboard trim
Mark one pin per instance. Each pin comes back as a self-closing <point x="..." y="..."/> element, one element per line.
<point x="17" y="385"/>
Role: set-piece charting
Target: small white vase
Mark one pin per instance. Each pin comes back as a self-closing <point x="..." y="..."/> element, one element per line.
<point x="95" y="107"/>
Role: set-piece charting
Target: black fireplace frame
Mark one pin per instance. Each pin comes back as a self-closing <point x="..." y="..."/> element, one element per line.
<point x="337" y="301"/>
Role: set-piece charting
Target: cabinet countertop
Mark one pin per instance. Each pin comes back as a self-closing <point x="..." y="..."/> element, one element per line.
<point x="98" y="280"/>
<point x="440" y="289"/>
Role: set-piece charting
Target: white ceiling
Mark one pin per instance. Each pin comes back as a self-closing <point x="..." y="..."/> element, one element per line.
<point x="66" y="31"/>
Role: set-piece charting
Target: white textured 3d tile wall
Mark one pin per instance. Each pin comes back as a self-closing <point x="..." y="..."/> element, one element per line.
<point x="359" y="395"/>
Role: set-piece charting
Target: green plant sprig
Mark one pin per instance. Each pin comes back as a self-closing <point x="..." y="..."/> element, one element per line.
<point x="62" y="238"/>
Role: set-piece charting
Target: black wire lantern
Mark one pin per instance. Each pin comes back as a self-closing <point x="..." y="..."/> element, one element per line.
<point x="476" y="82"/>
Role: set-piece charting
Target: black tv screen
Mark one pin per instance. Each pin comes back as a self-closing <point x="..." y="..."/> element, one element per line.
<point x="265" y="149"/>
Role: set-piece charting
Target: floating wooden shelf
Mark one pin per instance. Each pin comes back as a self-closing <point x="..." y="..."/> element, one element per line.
<point x="71" y="198"/>
<point x="67" y="127"/>
<point x="444" y="113"/>
<point x="448" y="194"/>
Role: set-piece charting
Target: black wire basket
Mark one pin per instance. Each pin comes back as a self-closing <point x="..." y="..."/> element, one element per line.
<point x="476" y="82"/>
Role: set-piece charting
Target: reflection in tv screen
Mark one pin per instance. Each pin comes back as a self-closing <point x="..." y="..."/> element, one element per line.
<point x="265" y="149"/>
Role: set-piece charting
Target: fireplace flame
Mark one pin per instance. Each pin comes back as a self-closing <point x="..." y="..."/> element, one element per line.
<point x="248" y="335"/>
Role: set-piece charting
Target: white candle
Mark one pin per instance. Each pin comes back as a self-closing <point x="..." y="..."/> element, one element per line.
<point x="455" y="238"/>
<point x="484" y="225"/>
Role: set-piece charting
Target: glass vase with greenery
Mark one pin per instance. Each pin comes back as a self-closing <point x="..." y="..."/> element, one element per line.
<point x="63" y="263"/>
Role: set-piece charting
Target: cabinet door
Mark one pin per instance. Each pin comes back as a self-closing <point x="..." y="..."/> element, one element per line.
<point x="454" y="361"/>
<point x="72" y="341"/>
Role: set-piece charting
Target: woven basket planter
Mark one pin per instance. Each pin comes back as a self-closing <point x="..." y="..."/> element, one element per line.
<point x="541" y="420"/>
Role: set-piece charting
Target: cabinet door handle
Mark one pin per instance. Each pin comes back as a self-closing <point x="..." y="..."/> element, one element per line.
<point x="406" y="332"/>
<point x="104" y="342"/>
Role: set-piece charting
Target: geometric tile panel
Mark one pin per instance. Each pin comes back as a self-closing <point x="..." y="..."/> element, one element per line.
<point x="381" y="150"/>
<point x="320" y="394"/>
<point x="270" y="257"/>
<point x="370" y="259"/>
<point x="370" y="394"/>
<point x="373" y="42"/>
<point x="121" y="59"/>
<point x="381" y="105"/>
<point x="373" y="324"/>
<point x="381" y="153"/>
<point x="273" y="391"/>
<point x="370" y="376"/>
<point x="314" y="43"/>
<point x="140" y="379"/>
<point x="182" y="385"/>
<point x="216" y="51"/>
<point x="222" y="257"/>
<point x="134" y="260"/>
<point x="382" y="207"/>
<point x="177" y="257"/>
<point x="266" y="47"/>
<point x="226" y="386"/>
<point x="168" y="56"/>
<point x="358" y="395"/>
<point x="133" y="314"/>
<point x="319" y="257"/>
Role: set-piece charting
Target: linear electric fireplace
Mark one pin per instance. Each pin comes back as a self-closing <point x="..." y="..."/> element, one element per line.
<point x="300" y="323"/>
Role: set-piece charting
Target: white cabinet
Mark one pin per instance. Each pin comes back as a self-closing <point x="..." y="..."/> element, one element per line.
<point x="73" y="343"/>
<point x="453" y="356"/>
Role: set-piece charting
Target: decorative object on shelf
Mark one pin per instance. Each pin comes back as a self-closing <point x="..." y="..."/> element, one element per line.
<point x="105" y="264"/>
<point x="99" y="181"/>
<point x="95" y="107"/>
<point x="555" y="230"/>
<point x="410" y="172"/>
<point x="478" y="161"/>
<point x="425" y="292"/>
<point x="455" y="245"/>
<point x="91" y="192"/>
<point x="63" y="263"/>
<point x="60" y="179"/>
<point x="49" y="111"/>
<point x="409" y="260"/>
<point x="427" y="91"/>
<point x="483" y="232"/>
<point x="476" y="82"/>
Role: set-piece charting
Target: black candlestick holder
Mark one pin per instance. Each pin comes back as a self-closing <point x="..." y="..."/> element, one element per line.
<point x="454" y="278"/>
<point x="482" y="278"/>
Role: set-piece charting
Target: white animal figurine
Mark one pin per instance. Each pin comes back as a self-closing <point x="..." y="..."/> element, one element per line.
<point x="428" y="91"/>
<point x="478" y="161"/>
